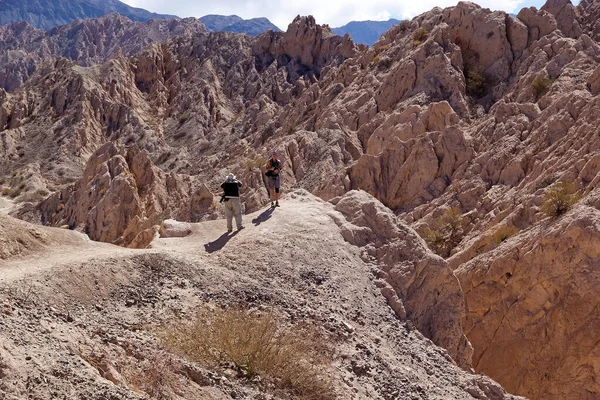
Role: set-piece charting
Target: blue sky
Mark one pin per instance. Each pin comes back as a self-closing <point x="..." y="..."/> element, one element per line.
<point x="332" y="12"/>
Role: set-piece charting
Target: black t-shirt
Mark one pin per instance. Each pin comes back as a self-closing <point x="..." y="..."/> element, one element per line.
<point x="231" y="189"/>
<point x="275" y="164"/>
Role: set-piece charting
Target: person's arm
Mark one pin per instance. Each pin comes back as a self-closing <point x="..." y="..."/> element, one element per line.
<point x="268" y="167"/>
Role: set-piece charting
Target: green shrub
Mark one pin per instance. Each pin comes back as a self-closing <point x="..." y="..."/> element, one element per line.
<point x="540" y="86"/>
<point x="292" y="360"/>
<point x="420" y="35"/>
<point x="476" y="83"/>
<point x="445" y="233"/>
<point x="559" y="199"/>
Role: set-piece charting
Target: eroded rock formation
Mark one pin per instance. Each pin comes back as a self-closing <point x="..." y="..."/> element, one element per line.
<point x="122" y="198"/>
<point x="418" y="284"/>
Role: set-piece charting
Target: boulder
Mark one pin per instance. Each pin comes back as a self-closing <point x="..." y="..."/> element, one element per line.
<point x="170" y="228"/>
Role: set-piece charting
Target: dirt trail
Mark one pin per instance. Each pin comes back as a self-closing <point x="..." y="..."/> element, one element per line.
<point x="206" y="238"/>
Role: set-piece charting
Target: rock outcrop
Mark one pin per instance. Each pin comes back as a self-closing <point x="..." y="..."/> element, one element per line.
<point x="418" y="285"/>
<point x="122" y="198"/>
<point x="589" y="11"/>
<point x="538" y="294"/>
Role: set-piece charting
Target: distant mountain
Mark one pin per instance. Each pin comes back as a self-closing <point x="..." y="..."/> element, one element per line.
<point x="365" y="32"/>
<point x="216" y="23"/>
<point x="47" y="14"/>
<point x="233" y="23"/>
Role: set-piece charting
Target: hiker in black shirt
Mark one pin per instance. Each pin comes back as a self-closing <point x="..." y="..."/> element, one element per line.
<point x="272" y="170"/>
<point x="233" y="206"/>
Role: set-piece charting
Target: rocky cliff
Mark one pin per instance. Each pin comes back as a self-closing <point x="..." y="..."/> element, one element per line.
<point x="477" y="129"/>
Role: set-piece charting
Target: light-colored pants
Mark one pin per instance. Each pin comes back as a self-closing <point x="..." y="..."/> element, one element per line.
<point x="233" y="207"/>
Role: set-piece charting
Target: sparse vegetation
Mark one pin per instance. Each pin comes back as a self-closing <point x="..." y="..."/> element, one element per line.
<point x="503" y="233"/>
<point x="540" y="86"/>
<point x="420" y="35"/>
<point x="3" y="368"/>
<point x="156" y="376"/>
<point x="385" y="63"/>
<point x="404" y="25"/>
<point x="184" y="117"/>
<point x="445" y="233"/>
<point x="559" y="199"/>
<point x="255" y="163"/>
<point x="256" y="345"/>
<point x="476" y="83"/>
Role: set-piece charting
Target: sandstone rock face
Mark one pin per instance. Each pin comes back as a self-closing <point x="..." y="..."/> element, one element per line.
<point x="429" y="293"/>
<point x="566" y="16"/>
<point x="120" y="198"/>
<point x="588" y="14"/>
<point x="539" y="289"/>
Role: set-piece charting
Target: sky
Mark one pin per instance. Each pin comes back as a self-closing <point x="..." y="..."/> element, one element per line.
<point x="333" y="12"/>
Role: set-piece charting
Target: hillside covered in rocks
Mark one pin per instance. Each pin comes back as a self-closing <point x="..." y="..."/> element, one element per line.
<point x="476" y="129"/>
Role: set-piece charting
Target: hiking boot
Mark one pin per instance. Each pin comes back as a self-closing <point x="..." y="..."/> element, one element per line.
<point x="241" y="227"/>
<point x="229" y="230"/>
<point x="276" y="204"/>
<point x="272" y="204"/>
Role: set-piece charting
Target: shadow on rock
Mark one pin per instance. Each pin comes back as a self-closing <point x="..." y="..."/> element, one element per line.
<point x="265" y="215"/>
<point x="218" y="244"/>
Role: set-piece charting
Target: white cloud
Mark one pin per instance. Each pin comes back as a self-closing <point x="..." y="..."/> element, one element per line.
<point x="332" y="12"/>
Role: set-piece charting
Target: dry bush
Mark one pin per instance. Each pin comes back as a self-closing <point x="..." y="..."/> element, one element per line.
<point x="293" y="360"/>
<point x="503" y="233"/>
<point x="445" y="233"/>
<point x="255" y="163"/>
<point x="559" y="199"/>
<point x="156" y="376"/>
<point x="3" y="368"/>
<point x="420" y="35"/>
<point x="540" y="86"/>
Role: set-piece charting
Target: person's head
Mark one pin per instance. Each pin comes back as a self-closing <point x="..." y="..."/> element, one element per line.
<point x="274" y="155"/>
<point x="230" y="177"/>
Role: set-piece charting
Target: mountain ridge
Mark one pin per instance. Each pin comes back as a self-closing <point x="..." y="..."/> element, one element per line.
<point x="234" y="23"/>
<point x="365" y="32"/>
<point x="49" y="14"/>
